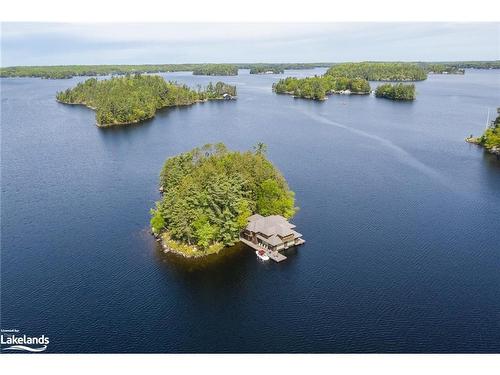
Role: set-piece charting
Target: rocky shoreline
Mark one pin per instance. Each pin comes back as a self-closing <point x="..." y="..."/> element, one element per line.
<point x="147" y="118"/>
<point x="477" y="141"/>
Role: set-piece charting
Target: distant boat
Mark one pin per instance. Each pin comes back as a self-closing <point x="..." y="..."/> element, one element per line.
<point x="262" y="254"/>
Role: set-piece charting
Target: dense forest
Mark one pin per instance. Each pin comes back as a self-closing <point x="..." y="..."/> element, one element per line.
<point x="208" y="194"/>
<point x="398" y="91"/>
<point x="134" y="98"/>
<point x="267" y="69"/>
<point x="216" y="70"/>
<point x="379" y="71"/>
<point x="318" y="87"/>
<point x="68" y="71"/>
<point x="285" y="66"/>
<point x="495" y="64"/>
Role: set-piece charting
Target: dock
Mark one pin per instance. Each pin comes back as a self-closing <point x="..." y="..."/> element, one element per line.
<point x="274" y="255"/>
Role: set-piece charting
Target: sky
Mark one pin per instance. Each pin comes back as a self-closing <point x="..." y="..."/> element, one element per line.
<point x="143" y="43"/>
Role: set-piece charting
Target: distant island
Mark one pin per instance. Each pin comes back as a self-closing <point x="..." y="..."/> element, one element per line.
<point x="352" y="78"/>
<point x="398" y="91"/>
<point x="208" y="195"/>
<point x="267" y="69"/>
<point x="69" y="71"/>
<point x="216" y="70"/>
<point x="318" y="87"/>
<point x="490" y="139"/>
<point x="135" y="98"/>
<point x="379" y="71"/>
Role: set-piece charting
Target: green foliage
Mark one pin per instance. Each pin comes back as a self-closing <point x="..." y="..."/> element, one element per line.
<point x="133" y="98"/>
<point x="273" y="200"/>
<point x="442" y="69"/>
<point x="398" y="91"/>
<point x="264" y="69"/>
<point x="157" y="221"/>
<point x="318" y="87"/>
<point x="491" y="136"/>
<point x="216" y="70"/>
<point x="495" y="64"/>
<point x="209" y="192"/>
<point x="379" y="71"/>
<point x="68" y="71"/>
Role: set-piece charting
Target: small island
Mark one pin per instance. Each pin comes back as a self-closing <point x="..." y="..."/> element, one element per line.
<point x="267" y="69"/>
<point x="216" y="70"/>
<point x="318" y="87"/>
<point x="134" y="98"/>
<point x="211" y="194"/>
<point x="379" y="71"/>
<point x="490" y="139"/>
<point x="398" y="91"/>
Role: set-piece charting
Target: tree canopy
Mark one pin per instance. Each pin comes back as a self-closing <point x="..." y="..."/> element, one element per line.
<point x="318" y="87"/>
<point x="209" y="192"/>
<point x="491" y="136"/>
<point x="263" y="69"/>
<point x="133" y="98"/>
<point x="379" y="71"/>
<point x="68" y="71"/>
<point x="216" y="70"/>
<point x="398" y="91"/>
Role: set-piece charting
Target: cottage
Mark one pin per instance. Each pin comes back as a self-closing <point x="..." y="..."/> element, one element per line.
<point x="273" y="233"/>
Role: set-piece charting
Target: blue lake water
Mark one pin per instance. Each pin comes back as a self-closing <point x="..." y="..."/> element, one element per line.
<point x="400" y="215"/>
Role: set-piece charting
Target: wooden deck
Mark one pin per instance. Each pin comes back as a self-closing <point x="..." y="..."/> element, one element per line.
<point x="277" y="257"/>
<point x="274" y="255"/>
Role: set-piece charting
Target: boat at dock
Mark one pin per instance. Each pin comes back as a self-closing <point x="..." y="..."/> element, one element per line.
<point x="262" y="254"/>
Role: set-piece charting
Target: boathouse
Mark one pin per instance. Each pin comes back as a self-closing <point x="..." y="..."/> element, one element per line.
<point x="273" y="233"/>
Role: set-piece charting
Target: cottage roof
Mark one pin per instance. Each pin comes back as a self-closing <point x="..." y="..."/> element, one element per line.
<point x="270" y="225"/>
<point x="273" y="240"/>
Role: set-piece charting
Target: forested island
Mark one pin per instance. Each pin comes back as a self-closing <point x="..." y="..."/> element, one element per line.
<point x="267" y="69"/>
<point x="398" y="91"/>
<point x="68" y="71"/>
<point x="318" y="87"/>
<point x="346" y="69"/>
<point x="208" y="194"/>
<point x="216" y="70"/>
<point x="379" y="71"/>
<point x="134" y="98"/>
<point x="490" y="139"/>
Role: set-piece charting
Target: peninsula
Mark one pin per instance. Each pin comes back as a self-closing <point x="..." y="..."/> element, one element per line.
<point x="490" y="139"/>
<point x="135" y="98"/>
<point x="209" y="195"/>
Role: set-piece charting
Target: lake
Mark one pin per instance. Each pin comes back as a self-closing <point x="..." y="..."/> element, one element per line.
<point x="400" y="215"/>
